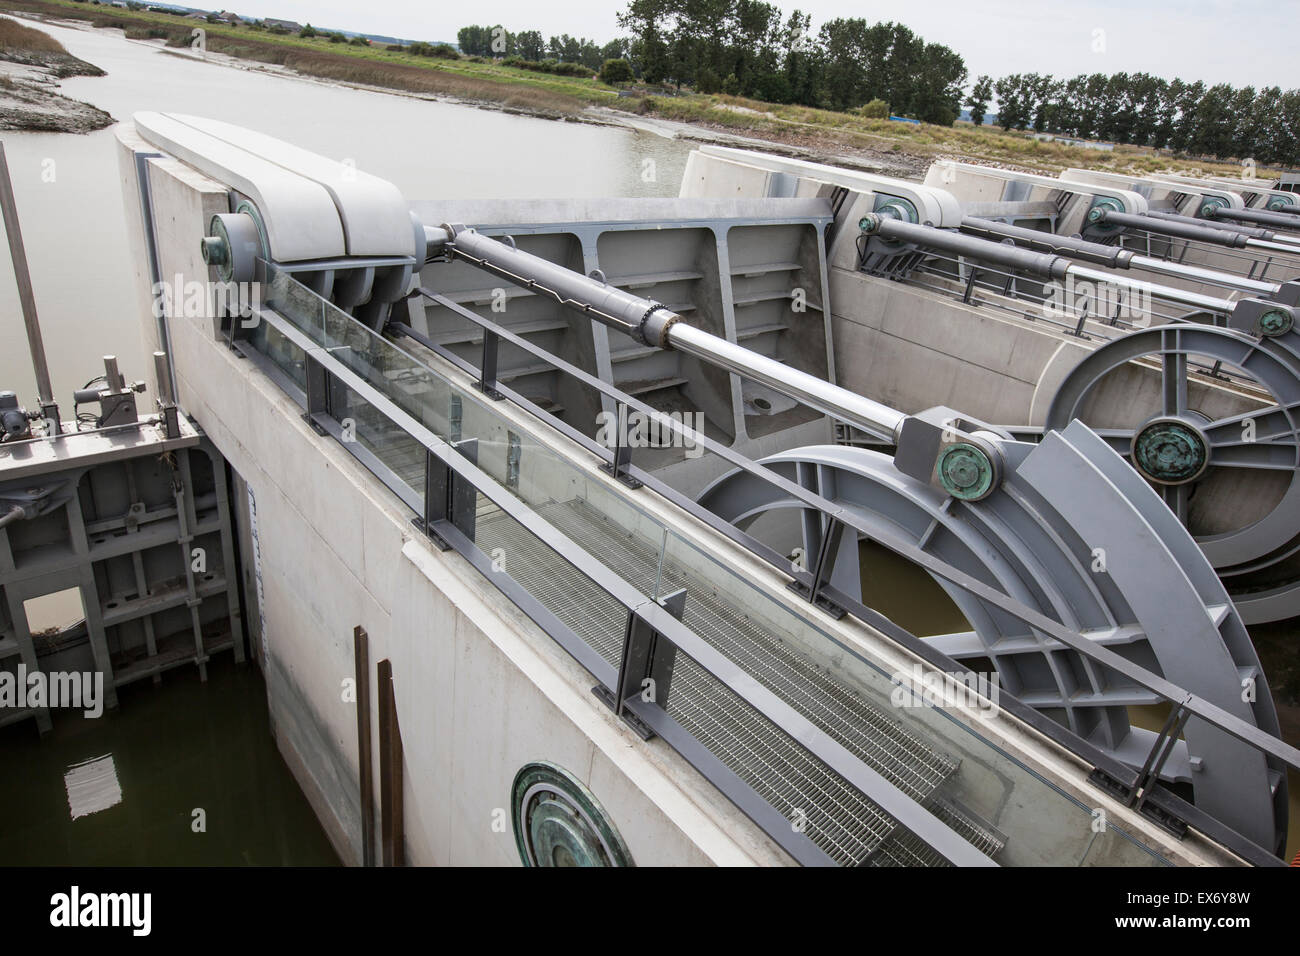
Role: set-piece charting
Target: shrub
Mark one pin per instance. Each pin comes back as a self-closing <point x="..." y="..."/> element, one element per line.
<point x="547" y="66"/>
<point x="616" y="71"/>
<point x="876" y="109"/>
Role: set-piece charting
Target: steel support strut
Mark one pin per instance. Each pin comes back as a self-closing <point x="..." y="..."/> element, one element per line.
<point x="971" y="475"/>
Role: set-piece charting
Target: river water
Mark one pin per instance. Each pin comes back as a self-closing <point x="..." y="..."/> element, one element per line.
<point x="70" y="199"/>
<point x="185" y="746"/>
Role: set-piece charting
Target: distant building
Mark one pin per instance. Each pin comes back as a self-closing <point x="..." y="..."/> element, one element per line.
<point x="225" y="16"/>
<point x="289" y="25"/>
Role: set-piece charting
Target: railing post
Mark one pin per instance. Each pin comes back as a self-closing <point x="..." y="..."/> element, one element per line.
<point x="447" y="496"/>
<point x="621" y="453"/>
<point x="645" y="667"/>
<point x="827" y="543"/>
<point x="487" y="383"/>
<point x="318" y="392"/>
<point x="826" y="555"/>
<point x="1160" y="751"/>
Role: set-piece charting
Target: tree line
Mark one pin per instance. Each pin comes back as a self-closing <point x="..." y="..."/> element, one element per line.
<point x="531" y="45"/>
<point x="750" y="48"/>
<point x="1143" y="110"/>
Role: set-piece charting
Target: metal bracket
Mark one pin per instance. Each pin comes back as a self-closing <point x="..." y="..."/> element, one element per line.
<point x="828" y="549"/>
<point x="487" y="383"/>
<point x="448" y="497"/>
<point x="310" y="419"/>
<point x="621" y="456"/>
<point x="1124" y="793"/>
<point x="647" y="657"/>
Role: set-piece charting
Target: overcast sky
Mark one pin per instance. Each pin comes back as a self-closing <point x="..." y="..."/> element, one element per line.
<point x="1161" y="37"/>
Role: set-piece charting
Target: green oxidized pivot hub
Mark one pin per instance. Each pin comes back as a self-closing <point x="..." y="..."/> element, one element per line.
<point x="1170" y="452"/>
<point x="216" y="248"/>
<point x="1276" y="322"/>
<point x="559" y="822"/>
<point x="965" y="471"/>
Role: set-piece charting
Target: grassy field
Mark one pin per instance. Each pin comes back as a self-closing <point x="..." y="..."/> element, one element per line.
<point x="492" y="82"/>
<point x="17" y="36"/>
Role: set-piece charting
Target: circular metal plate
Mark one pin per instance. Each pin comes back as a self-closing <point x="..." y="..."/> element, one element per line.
<point x="559" y="822"/>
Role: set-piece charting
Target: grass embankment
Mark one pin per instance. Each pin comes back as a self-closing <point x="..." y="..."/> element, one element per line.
<point x="23" y="44"/>
<point x="28" y="101"/>
<point x="493" y="82"/>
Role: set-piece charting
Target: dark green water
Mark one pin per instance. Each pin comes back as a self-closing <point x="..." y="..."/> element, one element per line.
<point x="178" y="746"/>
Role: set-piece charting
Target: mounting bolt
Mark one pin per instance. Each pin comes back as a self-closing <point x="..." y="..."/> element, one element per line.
<point x="215" y="250"/>
<point x="869" y="223"/>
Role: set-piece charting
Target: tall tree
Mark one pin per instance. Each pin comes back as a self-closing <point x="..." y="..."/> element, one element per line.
<point x="978" y="101"/>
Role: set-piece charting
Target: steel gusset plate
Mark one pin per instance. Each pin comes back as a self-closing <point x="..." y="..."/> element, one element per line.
<point x="1243" y="508"/>
<point x="1076" y="534"/>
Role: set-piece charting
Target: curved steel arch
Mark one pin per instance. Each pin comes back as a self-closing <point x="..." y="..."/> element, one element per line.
<point x="1065" y="504"/>
<point x="1256" y="560"/>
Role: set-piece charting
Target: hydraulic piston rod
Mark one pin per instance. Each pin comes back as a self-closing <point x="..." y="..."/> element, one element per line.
<point x="1113" y="257"/>
<point x="653" y="324"/>
<point x="1262" y="217"/>
<point x="1044" y="265"/>
<point x="1234" y="235"/>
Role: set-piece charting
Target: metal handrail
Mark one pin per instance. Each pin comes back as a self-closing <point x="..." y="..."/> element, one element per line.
<point x="907" y="812"/>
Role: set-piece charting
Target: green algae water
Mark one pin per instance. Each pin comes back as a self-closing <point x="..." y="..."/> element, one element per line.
<point x="201" y="781"/>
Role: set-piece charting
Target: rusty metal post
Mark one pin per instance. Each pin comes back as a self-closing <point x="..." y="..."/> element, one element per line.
<point x="392" y="832"/>
<point x="365" y="762"/>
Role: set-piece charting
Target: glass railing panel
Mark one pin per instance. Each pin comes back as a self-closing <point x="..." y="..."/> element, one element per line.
<point x="925" y="743"/>
<point x="285" y="355"/>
